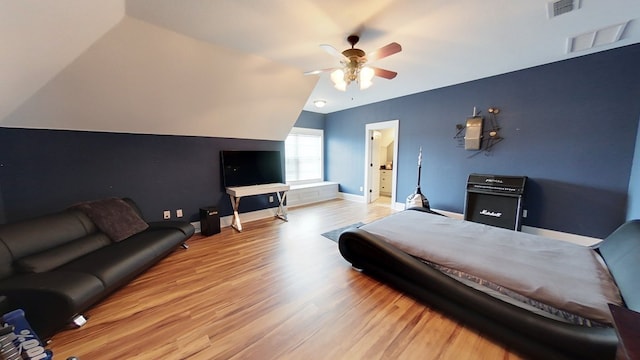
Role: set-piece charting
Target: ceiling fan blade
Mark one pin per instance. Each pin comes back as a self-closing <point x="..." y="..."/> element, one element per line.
<point x="332" y="51"/>
<point x="315" y="72"/>
<point x="385" y="51"/>
<point x="387" y="74"/>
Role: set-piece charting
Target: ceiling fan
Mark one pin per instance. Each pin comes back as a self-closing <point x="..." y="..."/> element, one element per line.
<point x="354" y="66"/>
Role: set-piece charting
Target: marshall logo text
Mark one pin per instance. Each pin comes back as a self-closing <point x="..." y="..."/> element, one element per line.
<point x="490" y="213"/>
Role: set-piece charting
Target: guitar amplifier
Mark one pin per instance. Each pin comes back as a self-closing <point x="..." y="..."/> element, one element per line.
<point x="495" y="200"/>
<point x="209" y="221"/>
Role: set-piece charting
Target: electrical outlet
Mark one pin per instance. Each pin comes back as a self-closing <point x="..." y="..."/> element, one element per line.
<point x="167" y="214"/>
<point x="271" y="198"/>
<point x="179" y="213"/>
<point x="524" y="213"/>
<point x="361" y="188"/>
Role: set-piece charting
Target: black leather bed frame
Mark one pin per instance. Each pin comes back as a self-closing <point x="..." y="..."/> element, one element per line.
<point x="531" y="335"/>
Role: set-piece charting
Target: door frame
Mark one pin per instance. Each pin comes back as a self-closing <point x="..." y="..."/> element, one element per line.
<point x="368" y="169"/>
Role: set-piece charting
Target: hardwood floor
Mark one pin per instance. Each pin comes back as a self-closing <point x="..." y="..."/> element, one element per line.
<point x="278" y="290"/>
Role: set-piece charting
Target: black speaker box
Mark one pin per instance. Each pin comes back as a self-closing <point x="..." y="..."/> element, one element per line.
<point x="209" y="221"/>
<point x="495" y="210"/>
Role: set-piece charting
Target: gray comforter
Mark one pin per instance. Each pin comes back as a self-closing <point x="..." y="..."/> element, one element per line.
<point x="567" y="276"/>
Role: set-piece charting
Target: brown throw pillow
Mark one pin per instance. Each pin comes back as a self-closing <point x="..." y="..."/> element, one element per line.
<point x="113" y="217"/>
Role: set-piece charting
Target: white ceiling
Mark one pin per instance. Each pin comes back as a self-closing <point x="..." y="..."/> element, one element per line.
<point x="444" y="42"/>
<point x="103" y="56"/>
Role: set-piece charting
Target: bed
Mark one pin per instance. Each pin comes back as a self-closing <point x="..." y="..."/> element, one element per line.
<point x="545" y="299"/>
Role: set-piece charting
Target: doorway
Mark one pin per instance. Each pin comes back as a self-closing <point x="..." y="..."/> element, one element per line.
<point x="381" y="157"/>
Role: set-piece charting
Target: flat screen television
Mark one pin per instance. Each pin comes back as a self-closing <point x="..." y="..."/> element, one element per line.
<point x="250" y="167"/>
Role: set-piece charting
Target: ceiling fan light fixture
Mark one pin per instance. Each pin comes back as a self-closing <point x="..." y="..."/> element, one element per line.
<point x="366" y="76"/>
<point x="353" y="62"/>
<point x="341" y="86"/>
<point x="338" y="78"/>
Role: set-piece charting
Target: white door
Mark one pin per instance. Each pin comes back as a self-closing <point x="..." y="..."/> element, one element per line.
<point x="372" y="161"/>
<point x="374" y="166"/>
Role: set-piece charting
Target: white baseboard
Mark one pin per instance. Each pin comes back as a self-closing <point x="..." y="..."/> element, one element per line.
<point x="351" y="197"/>
<point x="398" y="206"/>
<point x="450" y="214"/>
<point x="552" y="234"/>
<point x="196" y="225"/>
<point x="296" y="196"/>
<point x="249" y="216"/>
<point x="225" y="221"/>
<point x="573" y="238"/>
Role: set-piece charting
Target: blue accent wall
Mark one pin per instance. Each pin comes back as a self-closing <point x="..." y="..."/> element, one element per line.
<point x="3" y="217"/>
<point x="310" y="120"/>
<point x="47" y="170"/>
<point x="569" y="126"/>
<point x="633" y="211"/>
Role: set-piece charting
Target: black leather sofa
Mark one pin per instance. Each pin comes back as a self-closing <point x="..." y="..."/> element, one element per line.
<point x="56" y="266"/>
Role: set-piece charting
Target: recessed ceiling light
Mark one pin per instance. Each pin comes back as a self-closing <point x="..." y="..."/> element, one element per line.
<point x="319" y="103"/>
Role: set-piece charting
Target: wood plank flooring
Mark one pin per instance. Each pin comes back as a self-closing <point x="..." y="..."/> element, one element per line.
<point x="278" y="290"/>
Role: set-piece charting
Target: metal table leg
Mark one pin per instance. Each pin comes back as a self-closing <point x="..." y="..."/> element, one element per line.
<point x="282" y="210"/>
<point x="235" y="203"/>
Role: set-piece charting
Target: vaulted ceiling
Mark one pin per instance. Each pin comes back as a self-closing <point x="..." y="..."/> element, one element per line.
<point x="235" y="68"/>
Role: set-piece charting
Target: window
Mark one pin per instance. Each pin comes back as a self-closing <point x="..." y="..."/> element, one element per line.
<point x="304" y="156"/>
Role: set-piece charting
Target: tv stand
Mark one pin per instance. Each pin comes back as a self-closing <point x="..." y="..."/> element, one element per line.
<point x="237" y="192"/>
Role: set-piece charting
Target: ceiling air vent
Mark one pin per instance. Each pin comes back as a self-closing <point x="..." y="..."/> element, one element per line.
<point x="559" y="7"/>
<point x="604" y="36"/>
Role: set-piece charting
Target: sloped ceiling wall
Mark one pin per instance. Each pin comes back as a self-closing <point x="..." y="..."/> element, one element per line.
<point x="40" y="38"/>
<point x="140" y="78"/>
